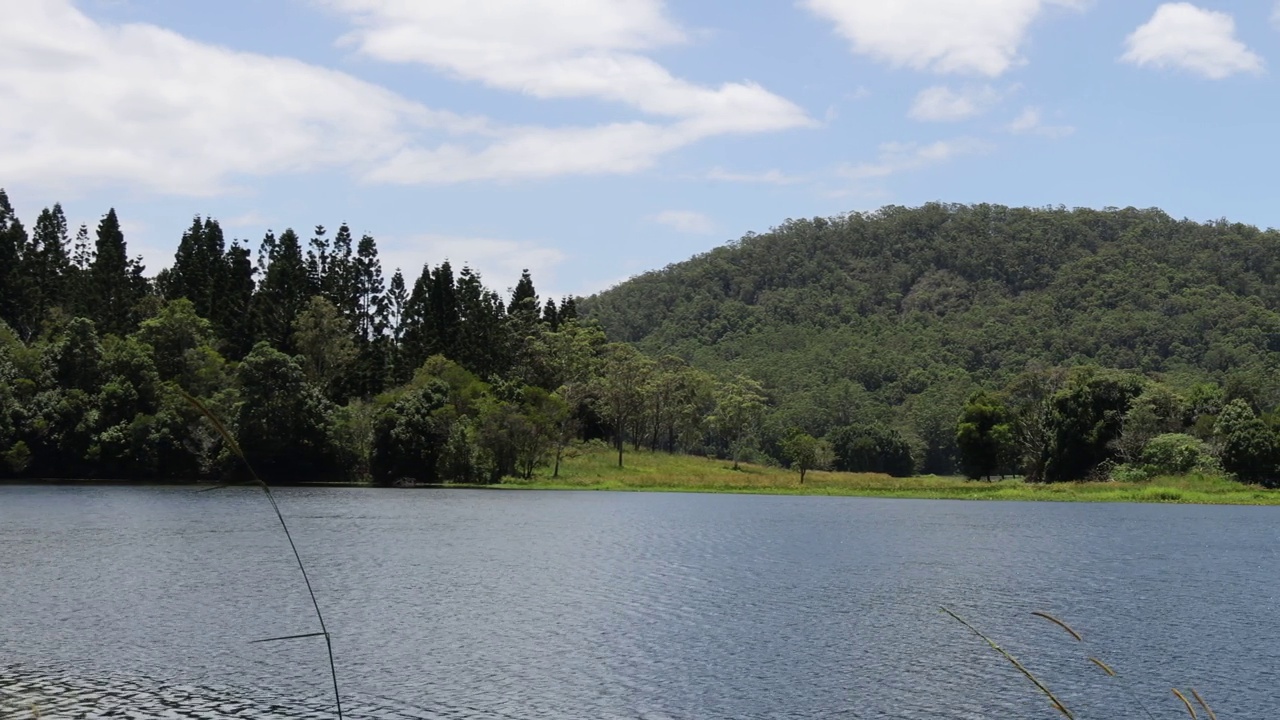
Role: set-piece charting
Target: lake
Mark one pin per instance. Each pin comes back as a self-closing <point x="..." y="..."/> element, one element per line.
<point x="141" y="601"/>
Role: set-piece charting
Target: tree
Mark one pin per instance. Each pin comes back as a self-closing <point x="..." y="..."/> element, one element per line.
<point x="43" y="272"/>
<point x="805" y="453"/>
<point x="286" y="288"/>
<point x="323" y="336"/>
<point x="13" y="245"/>
<point x="739" y="408"/>
<point x="115" y="280"/>
<point x="617" y="389"/>
<point x="984" y="437"/>
<point x="410" y="437"/>
<point x="863" y="447"/>
<point x="172" y="334"/>
<point x="233" y="314"/>
<point x="1251" y="452"/>
<point x="283" y="423"/>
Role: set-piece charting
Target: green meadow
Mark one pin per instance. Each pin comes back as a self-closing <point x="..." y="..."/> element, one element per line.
<point x="596" y="468"/>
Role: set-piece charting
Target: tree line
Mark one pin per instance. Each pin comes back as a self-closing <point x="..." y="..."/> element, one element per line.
<point x="320" y="367"/>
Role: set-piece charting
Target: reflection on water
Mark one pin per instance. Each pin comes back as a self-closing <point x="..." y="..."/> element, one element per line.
<point x="141" y="602"/>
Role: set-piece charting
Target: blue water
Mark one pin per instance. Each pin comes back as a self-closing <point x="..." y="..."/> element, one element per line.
<point x="474" y="604"/>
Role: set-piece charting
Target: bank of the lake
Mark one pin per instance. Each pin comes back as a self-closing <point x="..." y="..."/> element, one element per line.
<point x="596" y="469"/>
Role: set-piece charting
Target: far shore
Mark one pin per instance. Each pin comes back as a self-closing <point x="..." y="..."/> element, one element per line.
<point x="595" y="469"/>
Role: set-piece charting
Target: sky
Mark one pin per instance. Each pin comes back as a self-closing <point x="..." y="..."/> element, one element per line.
<point x="593" y="140"/>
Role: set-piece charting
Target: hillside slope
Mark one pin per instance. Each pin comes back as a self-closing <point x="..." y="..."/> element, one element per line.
<point x="897" y="316"/>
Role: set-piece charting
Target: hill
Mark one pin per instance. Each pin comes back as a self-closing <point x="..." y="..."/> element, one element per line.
<point x="896" y="317"/>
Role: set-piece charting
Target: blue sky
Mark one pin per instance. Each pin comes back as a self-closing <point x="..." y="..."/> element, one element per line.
<point x="591" y="140"/>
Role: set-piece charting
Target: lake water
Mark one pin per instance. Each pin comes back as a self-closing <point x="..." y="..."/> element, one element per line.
<point x="141" y="602"/>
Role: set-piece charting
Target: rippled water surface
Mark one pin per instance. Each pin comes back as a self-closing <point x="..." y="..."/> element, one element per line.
<point x="141" y="602"/>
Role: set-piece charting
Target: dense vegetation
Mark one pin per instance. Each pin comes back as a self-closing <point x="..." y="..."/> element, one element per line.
<point x="1053" y="344"/>
<point x="321" y="369"/>
<point x="1058" y="343"/>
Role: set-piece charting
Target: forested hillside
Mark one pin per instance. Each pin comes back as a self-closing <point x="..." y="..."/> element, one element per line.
<point x="890" y="321"/>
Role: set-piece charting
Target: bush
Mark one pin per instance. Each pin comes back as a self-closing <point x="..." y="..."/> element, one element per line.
<point x="1177" y="453"/>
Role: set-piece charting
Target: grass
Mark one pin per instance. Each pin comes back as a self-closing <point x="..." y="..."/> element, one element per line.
<point x="1105" y="668"/>
<point x="595" y="468"/>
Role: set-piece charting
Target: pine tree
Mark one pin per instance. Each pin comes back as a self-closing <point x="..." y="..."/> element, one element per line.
<point x="397" y="298"/>
<point x="445" y="317"/>
<point x="44" y="269"/>
<point x="371" y="319"/>
<point x="286" y="287"/>
<point x="524" y="300"/>
<point x="79" y="287"/>
<point x="568" y="309"/>
<point x="415" y="329"/>
<point x="199" y="267"/>
<point x="483" y="340"/>
<point x="551" y="315"/>
<point x="233" y="313"/>
<point x="116" y="282"/>
<point x="339" y="284"/>
<point x="13" y="246"/>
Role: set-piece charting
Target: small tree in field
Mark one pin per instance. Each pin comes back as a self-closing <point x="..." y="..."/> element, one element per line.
<point x="807" y="453"/>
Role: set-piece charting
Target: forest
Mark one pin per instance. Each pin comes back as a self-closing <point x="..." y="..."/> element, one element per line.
<point x="1049" y="343"/>
<point x="320" y="368"/>
<point x="1054" y="343"/>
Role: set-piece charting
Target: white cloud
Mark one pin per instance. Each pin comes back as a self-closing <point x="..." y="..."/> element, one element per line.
<point x="768" y="177"/>
<point x="1030" y="122"/>
<point x="87" y="103"/>
<point x="1183" y="36"/>
<point x="942" y="104"/>
<point x="499" y="262"/>
<point x="898" y="157"/>
<point x="558" y="49"/>
<point x="686" y="221"/>
<point x="94" y="104"/>
<point x="981" y="37"/>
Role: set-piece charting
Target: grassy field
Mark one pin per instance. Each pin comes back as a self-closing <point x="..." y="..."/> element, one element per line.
<point x="596" y="469"/>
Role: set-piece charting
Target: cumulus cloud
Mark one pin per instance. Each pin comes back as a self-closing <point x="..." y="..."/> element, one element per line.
<point x="1029" y="121"/>
<point x="942" y="104"/>
<point x="686" y="221"/>
<point x="977" y="37"/>
<point x="557" y="49"/>
<point x="898" y="157"/>
<point x="1185" y="37"/>
<point x="89" y="103"/>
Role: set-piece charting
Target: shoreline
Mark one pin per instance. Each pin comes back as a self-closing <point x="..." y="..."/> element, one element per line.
<point x="1173" y="491"/>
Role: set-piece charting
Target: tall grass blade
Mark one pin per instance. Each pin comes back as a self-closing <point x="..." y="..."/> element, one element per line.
<point x="1059" y="623"/>
<point x="1105" y="667"/>
<point x="1208" y="710"/>
<point x="1186" y="702"/>
<point x="235" y="448"/>
<point x="1057" y="704"/>
<point x="287" y="637"/>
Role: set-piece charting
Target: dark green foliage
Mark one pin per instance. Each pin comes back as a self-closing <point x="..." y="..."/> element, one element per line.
<point x="852" y="319"/>
<point x="13" y="245"/>
<point x="116" y="282"/>
<point x="287" y="285"/>
<point x="872" y="448"/>
<point x="1252" y="452"/>
<point x="410" y="438"/>
<point x="984" y="437"/>
<point x="1088" y="419"/>
<point x="282" y="421"/>
<point x="173" y="333"/>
